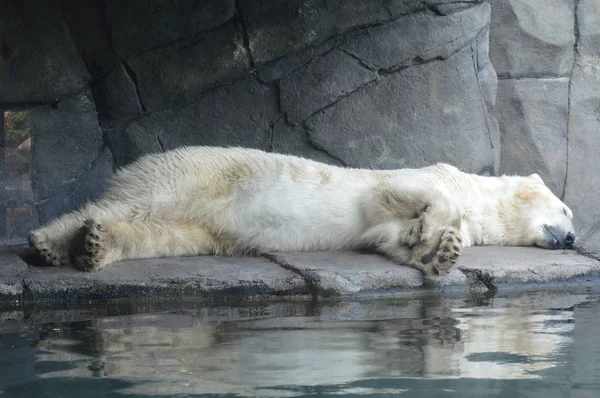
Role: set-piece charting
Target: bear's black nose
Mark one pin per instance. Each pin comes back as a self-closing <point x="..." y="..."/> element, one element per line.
<point x="569" y="240"/>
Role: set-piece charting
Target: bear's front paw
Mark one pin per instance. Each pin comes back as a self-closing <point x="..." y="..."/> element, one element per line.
<point x="91" y="257"/>
<point x="442" y="256"/>
<point x="46" y="250"/>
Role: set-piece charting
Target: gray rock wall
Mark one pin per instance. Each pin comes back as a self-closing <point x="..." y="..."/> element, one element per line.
<point x="547" y="57"/>
<point x="382" y="84"/>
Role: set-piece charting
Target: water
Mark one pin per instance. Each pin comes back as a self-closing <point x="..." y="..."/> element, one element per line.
<point x="534" y="345"/>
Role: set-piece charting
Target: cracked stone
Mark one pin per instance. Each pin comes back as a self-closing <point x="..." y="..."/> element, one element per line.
<point x="488" y="79"/>
<point x="38" y="64"/>
<point x="116" y="97"/>
<point x="532" y="38"/>
<point x="412" y="118"/>
<point x="321" y="82"/>
<point x="418" y="36"/>
<point x="184" y="70"/>
<point x="142" y="25"/>
<point x="282" y="67"/>
<point x="130" y="143"/>
<point x="532" y="115"/>
<point x="201" y="276"/>
<point x="294" y="141"/>
<point x="71" y="129"/>
<point x="211" y="120"/>
<point x="341" y="273"/>
<point x="85" y="23"/>
<point x="277" y="28"/>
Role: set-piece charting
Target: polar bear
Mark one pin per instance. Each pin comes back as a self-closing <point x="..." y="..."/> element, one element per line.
<point x="210" y="200"/>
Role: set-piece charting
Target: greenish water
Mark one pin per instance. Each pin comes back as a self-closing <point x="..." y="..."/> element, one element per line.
<point x="534" y="345"/>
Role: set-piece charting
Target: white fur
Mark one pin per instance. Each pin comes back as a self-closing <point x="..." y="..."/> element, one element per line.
<point x="201" y="200"/>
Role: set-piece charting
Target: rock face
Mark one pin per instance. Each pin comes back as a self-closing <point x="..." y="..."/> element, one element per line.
<point x="546" y="54"/>
<point x="584" y="120"/>
<point x="532" y="115"/>
<point x="382" y="84"/>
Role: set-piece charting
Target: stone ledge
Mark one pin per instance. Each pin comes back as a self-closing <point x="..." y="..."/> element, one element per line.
<point x="283" y="275"/>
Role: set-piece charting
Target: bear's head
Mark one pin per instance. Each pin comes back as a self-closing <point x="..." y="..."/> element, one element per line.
<point x="541" y="218"/>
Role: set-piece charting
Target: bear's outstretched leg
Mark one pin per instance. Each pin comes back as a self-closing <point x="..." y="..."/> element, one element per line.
<point x="106" y="242"/>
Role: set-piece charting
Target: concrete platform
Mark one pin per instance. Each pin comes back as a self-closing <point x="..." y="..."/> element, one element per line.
<point x="283" y="275"/>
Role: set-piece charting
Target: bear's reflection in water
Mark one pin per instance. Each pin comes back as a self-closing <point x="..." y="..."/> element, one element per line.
<point x="182" y="354"/>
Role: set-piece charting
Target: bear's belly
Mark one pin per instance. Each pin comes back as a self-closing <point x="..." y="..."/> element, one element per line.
<point x="295" y="215"/>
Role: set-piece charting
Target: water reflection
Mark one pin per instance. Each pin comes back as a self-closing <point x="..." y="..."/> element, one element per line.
<point x="339" y="348"/>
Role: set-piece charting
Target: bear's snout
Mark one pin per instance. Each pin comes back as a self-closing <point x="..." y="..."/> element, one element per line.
<point x="558" y="238"/>
<point x="569" y="240"/>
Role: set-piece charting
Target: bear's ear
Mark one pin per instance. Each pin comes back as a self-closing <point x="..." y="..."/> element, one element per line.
<point x="536" y="177"/>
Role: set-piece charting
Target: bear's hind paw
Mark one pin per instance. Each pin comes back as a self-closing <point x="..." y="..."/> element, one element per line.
<point x="46" y="250"/>
<point x="91" y="257"/>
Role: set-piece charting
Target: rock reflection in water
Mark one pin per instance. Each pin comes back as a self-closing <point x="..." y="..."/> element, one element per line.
<point x="181" y="354"/>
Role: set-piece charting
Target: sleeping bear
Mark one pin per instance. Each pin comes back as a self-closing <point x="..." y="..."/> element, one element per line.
<point x="236" y="201"/>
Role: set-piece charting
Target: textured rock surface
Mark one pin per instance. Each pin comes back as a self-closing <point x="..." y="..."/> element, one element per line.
<point x="335" y="273"/>
<point x="590" y="242"/>
<point x="211" y="120"/>
<point x="532" y="114"/>
<point x="278" y="28"/>
<point x="35" y="66"/>
<point x="321" y="82"/>
<point x="206" y="277"/>
<point x="185" y="69"/>
<point x="532" y="38"/>
<point x="70" y="163"/>
<point x="115" y="96"/>
<point x="299" y="275"/>
<point x="146" y="24"/>
<point x="428" y="125"/>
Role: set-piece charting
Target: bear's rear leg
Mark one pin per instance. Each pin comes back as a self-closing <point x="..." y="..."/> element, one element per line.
<point x="107" y="242"/>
